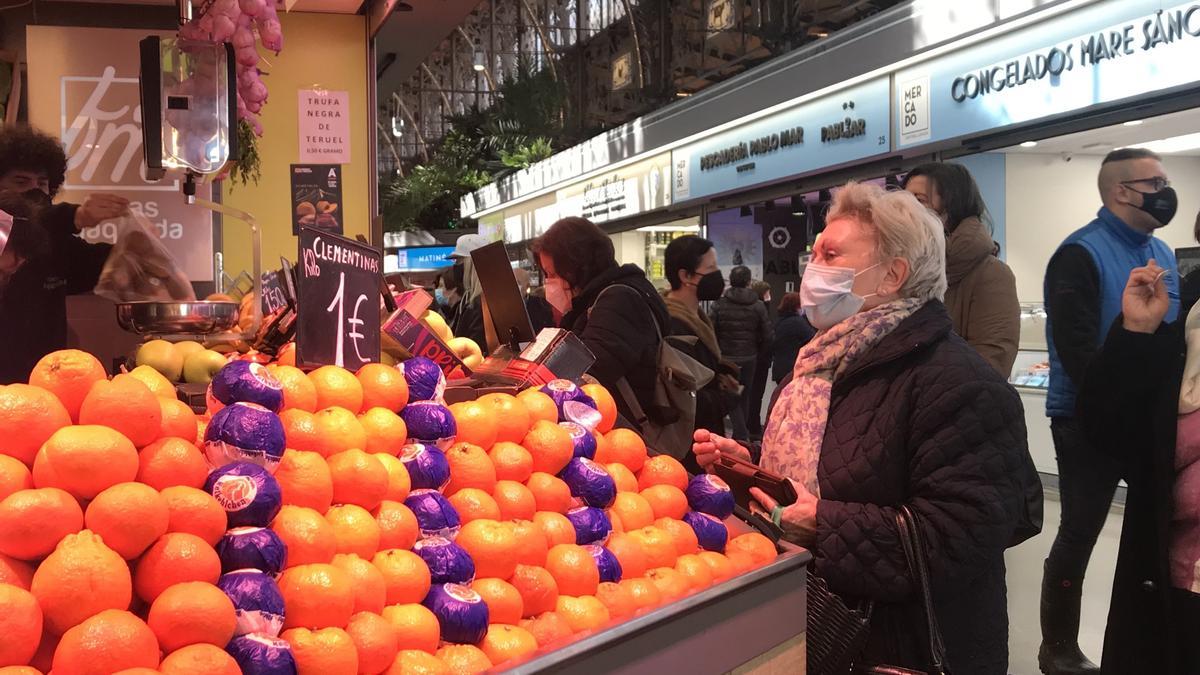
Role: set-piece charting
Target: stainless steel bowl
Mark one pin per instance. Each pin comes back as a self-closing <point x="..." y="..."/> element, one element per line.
<point x="166" y="318"/>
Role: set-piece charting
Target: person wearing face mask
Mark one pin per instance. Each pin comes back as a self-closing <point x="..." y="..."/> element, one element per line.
<point x="982" y="296"/>
<point x="613" y="309"/>
<point x="467" y="320"/>
<point x="744" y="330"/>
<point x="885" y="407"/>
<point x="1085" y="280"/>
<point x="541" y="314"/>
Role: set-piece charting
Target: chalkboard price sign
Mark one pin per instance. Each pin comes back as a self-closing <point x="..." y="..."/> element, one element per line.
<point x="338" y="297"/>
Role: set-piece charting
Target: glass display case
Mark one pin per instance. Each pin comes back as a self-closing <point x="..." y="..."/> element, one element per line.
<point x="1032" y="367"/>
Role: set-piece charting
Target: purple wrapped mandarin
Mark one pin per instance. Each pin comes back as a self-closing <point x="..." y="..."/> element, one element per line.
<point x="245" y="432"/>
<point x="249" y="494"/>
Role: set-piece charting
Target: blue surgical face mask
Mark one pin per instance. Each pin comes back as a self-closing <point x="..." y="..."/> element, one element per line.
<point x="439" y="295"/>
<point x="827" y="294"/>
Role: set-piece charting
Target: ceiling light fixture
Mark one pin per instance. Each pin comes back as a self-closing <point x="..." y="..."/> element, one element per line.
<point x="1173" y="144"/>
<point x="480" y="63"/>
<point x="1132" y="123"/>
<point x="1029" y="144"/>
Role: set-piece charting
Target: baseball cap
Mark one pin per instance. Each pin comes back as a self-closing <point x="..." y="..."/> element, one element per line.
<point x="466" y="244"/>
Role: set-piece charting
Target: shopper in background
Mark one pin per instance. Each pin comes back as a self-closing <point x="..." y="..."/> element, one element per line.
<point x="468" y="316"/>
<point x="1085" y="281"/>
<point x="1189" y="285"/>
<point x="690" y="264"/>
<point x="792" y="332"/>
<point x="982" y="297"/>
<point x="743" y="330"/>
<point x="541" y="314"/>
<point x="762" y="368"/>
<point x="620" y="327"/>
<point x="887" y="408"/>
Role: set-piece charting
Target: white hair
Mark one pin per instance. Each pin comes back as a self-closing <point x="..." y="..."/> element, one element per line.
<point x="902" y="228"/>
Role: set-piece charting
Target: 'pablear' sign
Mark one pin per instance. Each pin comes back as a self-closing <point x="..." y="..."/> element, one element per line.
<point x="83" y="88"/>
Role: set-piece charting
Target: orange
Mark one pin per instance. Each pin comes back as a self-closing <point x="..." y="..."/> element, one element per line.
<point x="304" y="480"/>
<point x="516" y="501"/>
<point x="540" y="406"/>
<point x="30" y="670"/>
<point x="492" y="545"/>
<point x="68" y="374"/>
<point x="171" y="461"/>
<point x="740" y="560"/>
<point x="28" y="416"/>
<point x="548" y="628"/>
<point x="537" y="588"/>
<point x="337" y="387"/>
<point x="43" y="659"/>
<point x="718" y="565"/>
<point x="474" y="504"/>
<point x="126" y="405"/>
<point x="354" y="530"/>
<point x="287" y="355"/>
<point x="326" y="651"/>
<point x="14" y="476"/>
<point x="174" y="559"/>
<point x="398" y="526"/>
<point x="574" y="570"/>
<point x="464" y="659"/>
<point x="658" y="545"/>
<point x="666" y="501"/>
<point x="192" y="613"/>
<point x="386" y="432"/>
<point x="622" y="476"/>
<point x="512" y="418"/>
<point x="85" y="460"/>
<point x="309" y="537"/>
<point x="695" y="571"/>
<point x="370" y="590"/>
<point x="671" y="584"/>
<point x="299" y="393"/>
<point x="614" y="519"/>
<point x="681" y="533"/>
<point x="300" y="430"/>
<point x="618" y="599"/>
<point x="106" y="643"/>
<point x="316" y="596"/>
<point x="374" y="640"/>
<point x="504" y="643"/>
<point x="32" y="522"/>
<point x="582" y="613"/>
<point x="20" y="625"/>
<point x="338" y="430"/>
<point x="405" y="574"/>
<point x="178" y="420"/>
<point x="417" y="662"/>
<point x="504" y="601"/>
<point x="399" y="482"/>
<point x="129" y="517"/>
<point x="623" y="446"/>
<point x="605" y="403"/>
<point x="383" y="387"/>
<point x="532" y="546"/>
<point x="761" y="549"/>
<point x="550" y="493"/>
<point x="644" y="592"/>
<point x="662" y="470"/>
<point x="200" y="659"/>
<point x="629" y="553"/>
<point x="555" y="526"/>
<point x="15" y="572"/>
<point x="550" y="445"/>
<point x="476" y="423"/>
<point x="470" y="467"/>
<point x="634" y="510"/>
<point x="194" y="511"/>
<point x="358" y="478"/>
<point x="512" y="461"/>
<point x="416" y="627"/>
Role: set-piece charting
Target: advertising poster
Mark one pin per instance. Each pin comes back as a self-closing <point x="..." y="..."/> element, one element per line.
<point x="317" y="197"/>
<point x="738" y="241"/>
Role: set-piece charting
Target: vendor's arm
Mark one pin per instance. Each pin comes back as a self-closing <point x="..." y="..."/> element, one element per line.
<point x="81" y="260"/>
<point x="1073" y="306"/>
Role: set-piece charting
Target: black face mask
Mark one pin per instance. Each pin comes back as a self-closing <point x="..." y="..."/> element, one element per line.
<point x="710" y="286"/>
<point x="1161" y="205"/>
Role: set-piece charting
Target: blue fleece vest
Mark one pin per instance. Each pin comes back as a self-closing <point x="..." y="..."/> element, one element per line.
<point x="1116" y="249"/>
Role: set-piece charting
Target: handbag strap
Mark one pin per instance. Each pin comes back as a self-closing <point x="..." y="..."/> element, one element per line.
<point x="914" y="552"/>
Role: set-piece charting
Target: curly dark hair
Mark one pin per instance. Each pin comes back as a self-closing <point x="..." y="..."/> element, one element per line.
<point x="580" y="250"/>
<point x="790" y="304"/>
<point x="24" y="148"/>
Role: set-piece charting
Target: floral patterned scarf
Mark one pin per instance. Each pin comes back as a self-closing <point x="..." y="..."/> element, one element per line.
<point x="792" y="442"/>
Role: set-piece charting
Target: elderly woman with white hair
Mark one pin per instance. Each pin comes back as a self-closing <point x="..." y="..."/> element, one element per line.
<point x="886" y="408"/>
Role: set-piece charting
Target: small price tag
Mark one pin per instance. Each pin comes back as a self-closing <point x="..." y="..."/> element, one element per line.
<point x="338" y="301"/>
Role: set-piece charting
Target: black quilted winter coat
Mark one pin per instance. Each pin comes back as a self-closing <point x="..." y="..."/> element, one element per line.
<point x="923" y="420"/>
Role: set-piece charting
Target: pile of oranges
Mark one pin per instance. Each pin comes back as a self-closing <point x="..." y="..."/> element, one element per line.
<point x="107" y="560"/>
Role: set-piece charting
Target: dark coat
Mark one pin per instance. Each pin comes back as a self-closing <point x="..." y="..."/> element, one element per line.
<point x="741" y="323"/>
<point x="923" y="420"/>
<point x="1129" y="405"/>
<point x="792" y="332"/>
<point x="621" y="334"/>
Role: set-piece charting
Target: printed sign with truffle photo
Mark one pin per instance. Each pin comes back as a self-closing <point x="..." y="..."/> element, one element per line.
<point x="317" y="197"/>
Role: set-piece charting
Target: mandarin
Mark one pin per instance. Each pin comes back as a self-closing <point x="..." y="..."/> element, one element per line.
<point x="666" y="501"/>
<point x="399" y="482"/>
<point x="304" y="480"/>
<point x="81" y="578"/>
<point x="337" y="387"/>
<point x="574" y="570"/>
<point x="555" y="526"/>
<point x="328" y="650"/>
<point x="14" y="476"/>
<point x="761" y="549"/>
<point x="474" y="504"/>
<point x="374" y="640"/>
<point x="68" y="374"/>
<point x="505" y="643"/>
<point x="539" y="405"/>
<point x="33" y="522"/>
<point x="605" y="403"/>
<point x="178" y="420"/>
<point x="20" y="625"/>
<point x="512" y="417"/>
<point x="308" y="536"/>
<point x="405" y="574"/>
<point x="398" y="527"/>
<point x="354" y="530"/>
<point x="386" y="431"/>
<point x="370" y="589"/>
<point x="383" y="387"/>
<point x="199" y="659"/>
<point x="299" y="393"/>
<point x="741" y="561"/>
<point x="532" y="546"/>
<point x="681" y="533"/>
<point x="174" y="559"/>
<point x="512" y="462"/>
<point x="695" y="570"/>
<point x="671" y="584"/>
<point x="85" y="460"/>
<point x="470" y="467"/>
<point x="194" y="511"/>
<point x="504" y="601"/>
<point x="548" y="628"/>
<point x="15" y="572"/>
<point x="516" y="502"/>
<point x="126" y="405"/>
<point x="492" y="546"/>
<point x="583" y="612"/>
<point x="622" y="476"/>
<point x="634" y="510"/>
<point x="718" y="564"/>
<point x="415" y="625"/>
<point x="477" y="423"/>
<point x="550" y="493"/>
<point x="550" y="445"/>
<point x="464" y="659"/>
<point x="106" y="643"/>
<point x="618" y="599"/>
<point x="417" y="662"/>
<point x="300" y="430"/>
<point x="662" y="470"/>
<point x="644" y="592"/>
<point x="192" y="613"/>
<point x="623" y="446"/>
<point x="129" y="517"/>
<point x="358" y="478"/>
<point x="658" y="545"/>
<point x="316" y="596"/>
<point x="537" y="588"/>
<point x="338" y="430"/>
<point x="629" y="553"/>
<point x="172" y="461"/>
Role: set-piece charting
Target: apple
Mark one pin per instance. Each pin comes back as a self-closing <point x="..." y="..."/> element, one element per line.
<point x="200" y="367"/>
<point x="161" y="356"/>
<point x="467" y="351"/>
<point x="187" y="348"/>
<point x="434" y="322"/>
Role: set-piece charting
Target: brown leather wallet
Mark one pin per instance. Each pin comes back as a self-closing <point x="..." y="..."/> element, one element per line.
<point x="742" y="475"/>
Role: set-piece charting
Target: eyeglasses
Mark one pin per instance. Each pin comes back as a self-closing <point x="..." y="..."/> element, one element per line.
<point x="1157" y="182"/>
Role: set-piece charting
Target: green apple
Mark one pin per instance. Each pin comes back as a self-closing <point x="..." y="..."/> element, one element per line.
<point x="161" y="356"/>
<point x="187" y="348"/>
<point x="200" y="366"/>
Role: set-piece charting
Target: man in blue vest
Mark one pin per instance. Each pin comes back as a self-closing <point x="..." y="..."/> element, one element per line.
<point x="1084" y="283"/>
